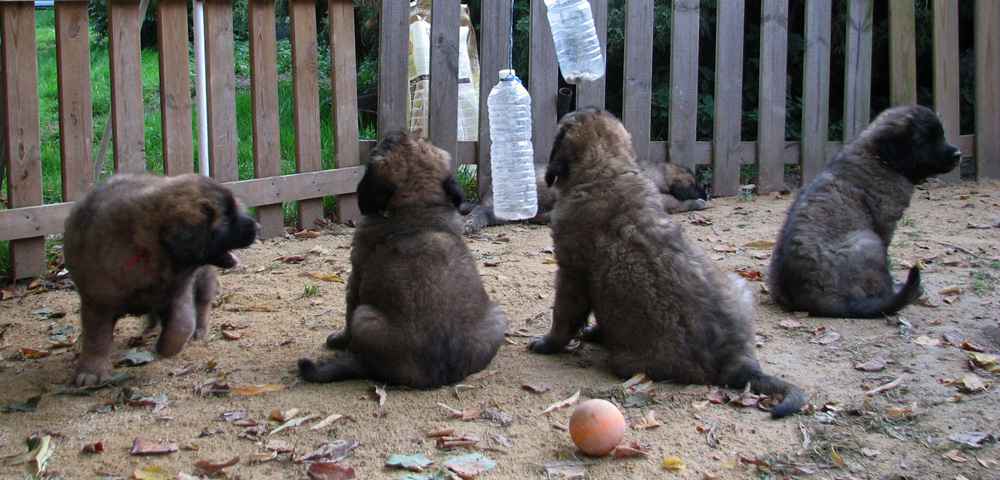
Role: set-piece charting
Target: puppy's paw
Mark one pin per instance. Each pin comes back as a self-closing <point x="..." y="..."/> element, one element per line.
<point x="86" y="377"/>
<point x="336" y="340"/>
<point x="308" y="370"/>
<point x="698" y="204"/>
<point x="544" y="346"/>
<point x="199" y="333"/>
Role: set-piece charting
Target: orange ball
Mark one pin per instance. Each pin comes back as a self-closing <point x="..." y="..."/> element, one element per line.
<point x="596" y="427"/>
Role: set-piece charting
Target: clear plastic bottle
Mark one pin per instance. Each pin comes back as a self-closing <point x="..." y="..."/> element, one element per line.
<point x="512" y="156"/>
<point x="577" y="46"/>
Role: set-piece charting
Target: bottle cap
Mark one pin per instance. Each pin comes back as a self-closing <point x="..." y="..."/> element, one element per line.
<point x="508" y="74"/>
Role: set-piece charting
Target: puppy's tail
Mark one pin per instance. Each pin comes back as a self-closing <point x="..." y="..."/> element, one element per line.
<point x="880" y="306"/>
<point x="792" y="397"/>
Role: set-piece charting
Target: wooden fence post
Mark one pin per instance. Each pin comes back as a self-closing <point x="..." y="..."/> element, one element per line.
<point x="902" y="52"/>
<point x="175" y="87"/>
<point x="76" y="115"/>
<point x="543" y="83"/>
<point x="771" y="121"/>
<point x="684" y="34"/>
<point x="816" y="88"/>
<point x="345" y="99"/>
<point x="858" y="78"/>
<point x="21" y="133"/>
<point x="221" y="82"/>
<point x="442" y="118"/>
<point x="728" y="98"/>
<point x="264" y="105"/>
<point x="305" y="85"/>
<point x="638" y="82"/>
<point x="947" y="90"/>
<point x="124" y="47"/>
<point x="987" y="88"/>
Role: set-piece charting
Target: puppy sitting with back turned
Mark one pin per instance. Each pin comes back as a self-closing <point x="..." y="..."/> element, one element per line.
<point x="417" y="312"/>
<point x="831" y="256"/>
<point x="661" y="306"/>
<point x="142" y="244"/>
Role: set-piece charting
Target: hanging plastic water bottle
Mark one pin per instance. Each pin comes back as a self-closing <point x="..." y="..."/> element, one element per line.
<point x="512" y="156"/>
<point x="577" y="46"/>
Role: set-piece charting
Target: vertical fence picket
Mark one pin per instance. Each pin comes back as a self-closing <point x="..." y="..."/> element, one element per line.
<point x="221" y="96"/>
<point x="345" y="101"/>
<point x="76" y="115"/>
<point x="728" y="98"/>
<point x="393" y="75"/>
<point x="543" y="82"/>
<point x="264" y="106"/>
<point x="638" y="82"/>
<point x="591" y="94"/>
<point x="816" y="88"/>
<point x="305" y="87"/>
<point x="987" y="88"/>
<point x="127" y="125"/>
<point x="947" y="93"/>
<point x="442" y="119"/>
<point x="902" y="52"/>
<point x="857" y="79"/>
<point x="683" y="115"/>
<point x="175" y="87"/>
<point x="771" y="123"/>
<point x="21" y="130"/>
<point x="495" y="42"/>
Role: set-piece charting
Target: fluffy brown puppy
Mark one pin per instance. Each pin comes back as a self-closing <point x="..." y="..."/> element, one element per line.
<point x="142" y="244"/>
<point x="678" y="186"/>
<point x="830" y="259"/>
<point x="417" y="312"/>
<point x="661" y="306"/>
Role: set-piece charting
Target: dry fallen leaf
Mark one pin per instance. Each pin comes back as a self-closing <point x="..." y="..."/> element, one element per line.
<point x="152" y="472"/>
<point x="263" y="457"/>
<point x="327" y="277"/>
<point x="329" y="471"/>
<point x="283" y="416"/>
<point x="143" y="446"/>
<point x="565" y="403"/>
<point x="535" y="388"/>
<point x="252" y="390"/>
<point x="901" y="410"/>
<point x="326" y="421"/>
<point x="34" y="353"/>
<point x="876" y="365"/>
<point x="672" y="463"/>
<point x="926" y="341"/>
<point x="380" y="393"/>
<point x="629" y="450"/>
<point x="955" y="456"/>
<point x="950" y="290"/>
<point x="647" y="421"/>
<point x="209" y="467"/>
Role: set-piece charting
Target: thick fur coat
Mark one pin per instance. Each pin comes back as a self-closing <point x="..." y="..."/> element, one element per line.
<point x="661" y="306"/>
<point x="417" y="312"/>
<point x="142" y="244"/>
<point x="831" y="255"/>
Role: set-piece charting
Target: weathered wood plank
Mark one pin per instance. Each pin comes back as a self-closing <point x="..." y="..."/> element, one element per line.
<point x="127" y="125"/>
<point x="592" y="94"/>
<point x="542" y="84"/>
<point x="442" y="119"/>
<point x="902" y="52"/>
<point x="221" y="86"/>
<point x="48" y="219"/>
<point x="264" y="105"/>
<point x="393" y="75"/>
<point x="947" y="91"/>
<point x="728" y="98"/>
<point x="21" y="131"/>
<point x="175" y="87"/>
<point x="76" y="114"/>
<point x="638" y="81"/>
<point x="495" y="51"/>
<point x="683" y="113"/>
<point x="816" y="88"/>
<point x="771" y="123"/>
<point x="987" y="85"/>
<point x="858" y="78"/>
<point x="345" y="100"/>
<point x="305" y="91"/>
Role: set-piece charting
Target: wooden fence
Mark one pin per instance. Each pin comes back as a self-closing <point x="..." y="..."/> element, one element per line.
<point x="26" y="222"/>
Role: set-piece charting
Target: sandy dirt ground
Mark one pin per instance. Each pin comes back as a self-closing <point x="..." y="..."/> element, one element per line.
<point x="900" y="397"/>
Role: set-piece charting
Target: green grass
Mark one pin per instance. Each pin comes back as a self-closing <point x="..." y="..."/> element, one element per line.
<point x="983" y="281"/>
<point x="48" y="90"/>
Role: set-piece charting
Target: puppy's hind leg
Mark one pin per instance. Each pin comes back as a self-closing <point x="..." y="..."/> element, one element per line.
<point x="96" y="341"/>
<point x="572" y="307"/>
<point x="345" y="367"/>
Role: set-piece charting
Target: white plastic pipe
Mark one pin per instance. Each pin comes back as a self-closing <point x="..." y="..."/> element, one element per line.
<point x="200" y="86"/>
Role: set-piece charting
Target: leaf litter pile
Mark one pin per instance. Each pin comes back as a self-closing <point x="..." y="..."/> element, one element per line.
<point x="908" y="396"/>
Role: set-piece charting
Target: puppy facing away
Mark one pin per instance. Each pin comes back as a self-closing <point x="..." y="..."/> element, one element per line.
<point x="831" y="255"/>
<point x="661" y="306"/>
<point x="143" y="244"/>
<point x="678" y="186"/>
<point x="417" y="312"/>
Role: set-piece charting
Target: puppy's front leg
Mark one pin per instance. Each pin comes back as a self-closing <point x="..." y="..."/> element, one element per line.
<point x="340" y="340"/>
<point x="572" y="307"/>
<point x="205" y="286"/>
<point x="96" y="340"/>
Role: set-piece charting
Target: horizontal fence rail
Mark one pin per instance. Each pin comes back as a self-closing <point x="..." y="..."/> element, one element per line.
<point x="27" y="221"/>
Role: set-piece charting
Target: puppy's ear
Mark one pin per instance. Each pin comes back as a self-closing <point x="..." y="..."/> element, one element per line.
<point x="895" y="147"/>
<point x="373" y="193"/>
<point x="453" y="189"/>
<point x="557" y="162"/>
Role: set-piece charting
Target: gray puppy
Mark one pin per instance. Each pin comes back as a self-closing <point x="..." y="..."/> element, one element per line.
<point x="417" y="312"/>
<point x="831" y="256"/>
<point x="661" y="306"/>
<point x="142" y="244"/>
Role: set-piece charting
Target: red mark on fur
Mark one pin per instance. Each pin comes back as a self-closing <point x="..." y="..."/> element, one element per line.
<point x="141" y="256"/>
